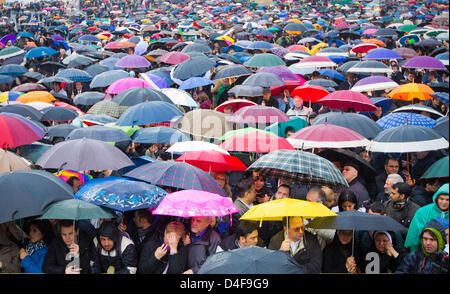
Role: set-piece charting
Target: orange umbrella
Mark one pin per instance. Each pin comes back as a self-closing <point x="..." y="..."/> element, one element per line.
<point x="410" y="91"/>
<point x="31" y="44"/>
<point x="119" y="45"/>
<point x="41" y="96"/>
<point x="374" y="41"/>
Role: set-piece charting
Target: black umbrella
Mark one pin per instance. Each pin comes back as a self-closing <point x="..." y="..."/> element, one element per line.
<point x="428" y="43"/>
<point x="193" y="67"/>
<point x="23" y="110"/>
<point x="233" y="70"/>
<point x="439" y="86"/>
<point x="61" y="130"/>
<point x="106" y="78"/>
<point x="251" y="260"/>
<point x="59" y="114"/>
<point x="34" y="75"/>
<point x="138" y="95"/>
<point x="28" y="193"/>
<point x="386" y="32"/>
<point x="197" y="47"/>
<point x="50" y="67"/>
<point x="88" y="98"/>
<point x="442" y="127"/>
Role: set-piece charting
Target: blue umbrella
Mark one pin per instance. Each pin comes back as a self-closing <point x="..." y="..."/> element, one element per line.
<point x="14" y="70"/>
<point x="33" y="151"/>
<point x="88" y="98"/>
<point x="74" y="74"/>
<point x="195" y="82"/>
<point x="148" y="113"/>
<point x="58" y="114"/>
<point x="40" y="52"/>
<point x="402" y="40"/>
<point x="405" y="118"/>
<point x="260" y="45"/>
<point x="382" y="53"/>
<point x="61" y="130"/>
<point x="139" y="161"/>
<point x="89" y="38"/>
<point x="110" y="62"/>
<point x="106" y="78"/>
<point x="337" y="59"/>
<point x="442" y="127"/>
<point x="163" y="74"/>
<point x="25" y="35"/>
<point x="102" y="133"/>
<point x="158" y="135"/>
<point x="331" y="73"/>
<point x="4" y="79"/>
<point x="356" y="122"/>
<point x="442" y="96"/>
<point x="121" y="194"/>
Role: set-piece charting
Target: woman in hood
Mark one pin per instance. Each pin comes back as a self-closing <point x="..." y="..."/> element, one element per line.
<point x="437" y="209"/>
<point x="337" y="256"/>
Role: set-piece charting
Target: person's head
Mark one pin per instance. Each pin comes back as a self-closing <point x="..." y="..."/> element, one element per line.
<point x="56" y="87"/>
<point x="391" y="180"/>
<point x="75" y="183"/>
<point x="143" y="218"/>
<point x="431" y="185"/>
<point x="400" y="192"/>
<point x="350" y="171"/>
<point x="296" y="228"/>
<point x="331" y="199"/>
<point x="283" y="191"/>
<point x="174" y="227"/>
<point x="347" y="201"/>
<point x="66" y="231"/>
<point x="298" y="102"/>
<point x="391" y="166"/>
<point x="395" y="68"/>
<point x="345" y="236"/>
<point x="433" y="237"/>
<point x="441" y="199"/>
<point x="221" y="178"/>
<point x="202" y="97"/>
<point x="350" y="77"/>
<point x="229" y="109"/>
<point x="365" y="155"/>
<point x="381" y="240"/>
<point x="266" y="94"/>
<point x="289" y="131"/>
<point x="259" y="181"/>
<point x="377" y="208"/>
<point x="416" y="101"/>
<point x="199" y="224"/>
<point x="247" y="233"/>
<point x="245" y="190"/>
<point x="315" y="194"/>
<point x="39" y="230"/>
<point x="108" y="235"/>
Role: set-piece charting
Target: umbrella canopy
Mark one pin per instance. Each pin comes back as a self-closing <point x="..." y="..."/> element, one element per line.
<point x="195" y="82"/>
<point x="212" y="160"/>
<point x="16" y="131"/>
<point x="236" y="104"/>
<point x="370" y="66"/>
<point x="408" y="92"/>
<point x="264" y="60"/>
<point x="10" y="162"/>
<point x="276" y="210"/>
<point x="75" y="75"/>
<point x="102" y="133"/>
<point x="61" y="130"/>
<point x="232" y="70"/>
<point x="251" y="260"/>
<point x="263" y="79"/>
<point x="84" y="154"/>
<point x="382" y="53"/>
<point x="133" y="61"/>
<point x="196" y="47"/>
<point x="75" y="209"/>
<point x="439" y="169"/>
<point x="180" y="97"/>
<point x="41" y="96"/>
<point x="246" y="91"/>
<point x="40" y="52"/>
<point x="88" y="98"/>
<point x="178" y="175"/>
<point x="419" y="108"/>
<point x="136" y="95"/>
<point x="256" y="142"/>
<point x="346" y="99"/>
<point x="57" y="113"/>
<point x="9" y="52"/>
<point x="279" y="129"/>
<point x="149" y="113"/>
<point x="193" y="67"/>
<point x="407" y="138"/>
<point x="158" y="135"/>
<point x="182" y="147"/>
<point x="107" y="78"/>
<point x="327" y="136"/>
<point x="299" y="167"/>
<point x="310" y="93"/>
<point x="357" y="221"/>
<point x="442" y="127"/>
<point x="258" y="114"/>
<point x="374" y="83"/>
<point x="406" y="52"/>
<point x="107" y="107"/>
<point x="173" y="57"/>
<point x="28" y="193"/>
<point x="24" y="110"/>
<point x="194" y="203"/>
<point x="315" y="62"/>
<point x="126" y="83"/>
<point x="67" y="174"/>
<point x="121" y="194"/>
<point x="426" y="62"/>
<point x="204" y="123"/>
<point x="405" y="118"/>
<point x="14" y="70"/>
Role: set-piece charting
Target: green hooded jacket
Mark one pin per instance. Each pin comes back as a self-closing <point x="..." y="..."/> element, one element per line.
<point x="424" y="215"/>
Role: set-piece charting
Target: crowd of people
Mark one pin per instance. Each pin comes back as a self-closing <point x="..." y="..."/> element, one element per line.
<point x="139" y="242"/>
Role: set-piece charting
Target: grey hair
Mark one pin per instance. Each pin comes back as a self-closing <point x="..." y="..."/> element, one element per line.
<point x="395" y="178"/>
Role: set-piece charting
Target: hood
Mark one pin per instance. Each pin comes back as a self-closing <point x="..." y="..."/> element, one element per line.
<point x="442" y="190"/>
<point x="109" y="229"/>
<point x="437" y="229"/>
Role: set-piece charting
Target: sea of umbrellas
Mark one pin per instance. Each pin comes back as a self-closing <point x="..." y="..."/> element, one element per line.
<point x="140" y="72"/>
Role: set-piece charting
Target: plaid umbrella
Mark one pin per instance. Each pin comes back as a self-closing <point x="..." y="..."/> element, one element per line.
<point x="176" y="174"/>
<point x="76" y="75"/>
<point x="106" y="107"/>
<point x="299" y="167"/>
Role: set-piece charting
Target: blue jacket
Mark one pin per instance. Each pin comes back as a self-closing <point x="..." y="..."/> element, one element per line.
<point x="33" y="263"/>
<point x="417" y="263"/>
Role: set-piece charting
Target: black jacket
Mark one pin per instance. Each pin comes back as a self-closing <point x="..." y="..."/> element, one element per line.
<point x="310" y="256"/>
<point x="388" y="264"/>
<point x="335" y="256"/>
<point x="421" y="196"/>
<point x="148" y="264"/>
<point x="55" y="260"/>
<point x="199" y="251"/>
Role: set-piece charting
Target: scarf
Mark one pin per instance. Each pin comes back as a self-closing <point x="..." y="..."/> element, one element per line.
<point x="33" y="247"/>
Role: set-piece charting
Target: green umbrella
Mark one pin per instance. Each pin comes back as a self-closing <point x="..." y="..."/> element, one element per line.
<point x="243" y="131"/>
<point x="127" y="129"/>
<point x="75" y="209"/>
<point x="10" y="52"/>
<point x="439" y="169"/>
<point x="263" y="60"/>
<point x="407" y="28"/>
<point x="279" y="128"/>
<point x="273" y="29"/>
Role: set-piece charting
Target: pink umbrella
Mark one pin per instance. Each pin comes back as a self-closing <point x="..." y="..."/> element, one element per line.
<point x="369" y="31"/>
<point x="327" y="136"/>
<point x="346" y="99"/>
<point x="194" y="203"/>
<point x="40" y="105"/>
<point x="126" y="83"/>
<point x="235" y="103"/>
<point x="133" y="61"/>
<point x="258" y="114"/>
<point x="256" y="142"/>
<point x="174" y="57"/>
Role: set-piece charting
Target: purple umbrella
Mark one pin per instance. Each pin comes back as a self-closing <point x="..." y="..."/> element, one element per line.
<point x="424" y="62"/>
<point x="141" y="48"/>
<point x="258" y="114"/>
<point x="14" y="60"/>
<point x="133" y="61"/>
<point x="57" y="37"/>
<point x="7" y="38"/>
<point x="382" y="53"/>
<point x="282" y="71"/>
<point x="279" y="51"/>
<point x="159" y="82"/>
<point x="374" y="83"/>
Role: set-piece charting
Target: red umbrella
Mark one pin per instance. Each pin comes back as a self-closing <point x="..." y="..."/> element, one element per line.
<point x="327" y="136"/>
<point x="174" y="57"/>
<point x="211" y="160"/>
<point x="364" y="47"/>
<point x="235" y="103"/>
<point x="65" y="105"/>
<point x="345" y="99"/>
<point x="16" y="132"/>
<point x="256" y="142"/>
<point x="290" y="85"/>
<point x="258" y="114"/>
<point x="310" y="93"/>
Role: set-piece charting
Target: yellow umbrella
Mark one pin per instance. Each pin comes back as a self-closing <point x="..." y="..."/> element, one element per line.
<point x="226" y="38"/>
<point x="276" y="210"/>
<point x="316" y="48"/>
<point x="410" y="91"/>
<point x="102" y="37"/>
<point x="294" y="20"/>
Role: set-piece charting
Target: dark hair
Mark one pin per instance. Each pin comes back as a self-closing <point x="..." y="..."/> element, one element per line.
<point x="242" y="187"/>
<point x="245" y="228"/>
<point x="285" y="186"/>
<point x="403" y="188"/>
<point x="288" y="129"/>
<point x="322" y="194"/>
<point x="67" y="223"/>
<point x="347" y="195"/>
<point x="145" y="213"/>
<point x="378" y="207"/>
<point x="388" y="159"/>
<point x="71" y="180"/>
<point x="415" y="101"/>
<point x="44" y="226"/>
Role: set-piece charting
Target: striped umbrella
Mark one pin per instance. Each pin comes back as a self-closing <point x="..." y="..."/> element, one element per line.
<point x="15" y="131"/>
<point x="405" y="118"/>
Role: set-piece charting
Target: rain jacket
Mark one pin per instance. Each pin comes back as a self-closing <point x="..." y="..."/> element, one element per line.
<point x="33" y="263"/>
<point x="199" y="251"/>
<point x="424" y="215"/>
<point x="420" y="262"/>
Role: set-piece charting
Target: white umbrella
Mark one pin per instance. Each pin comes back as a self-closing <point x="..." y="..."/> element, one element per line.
<point x="180" y="97"/>
<point x="182" y="147"/>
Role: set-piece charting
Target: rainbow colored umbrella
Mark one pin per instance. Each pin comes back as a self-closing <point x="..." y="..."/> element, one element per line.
<point x="67" y="174"/>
